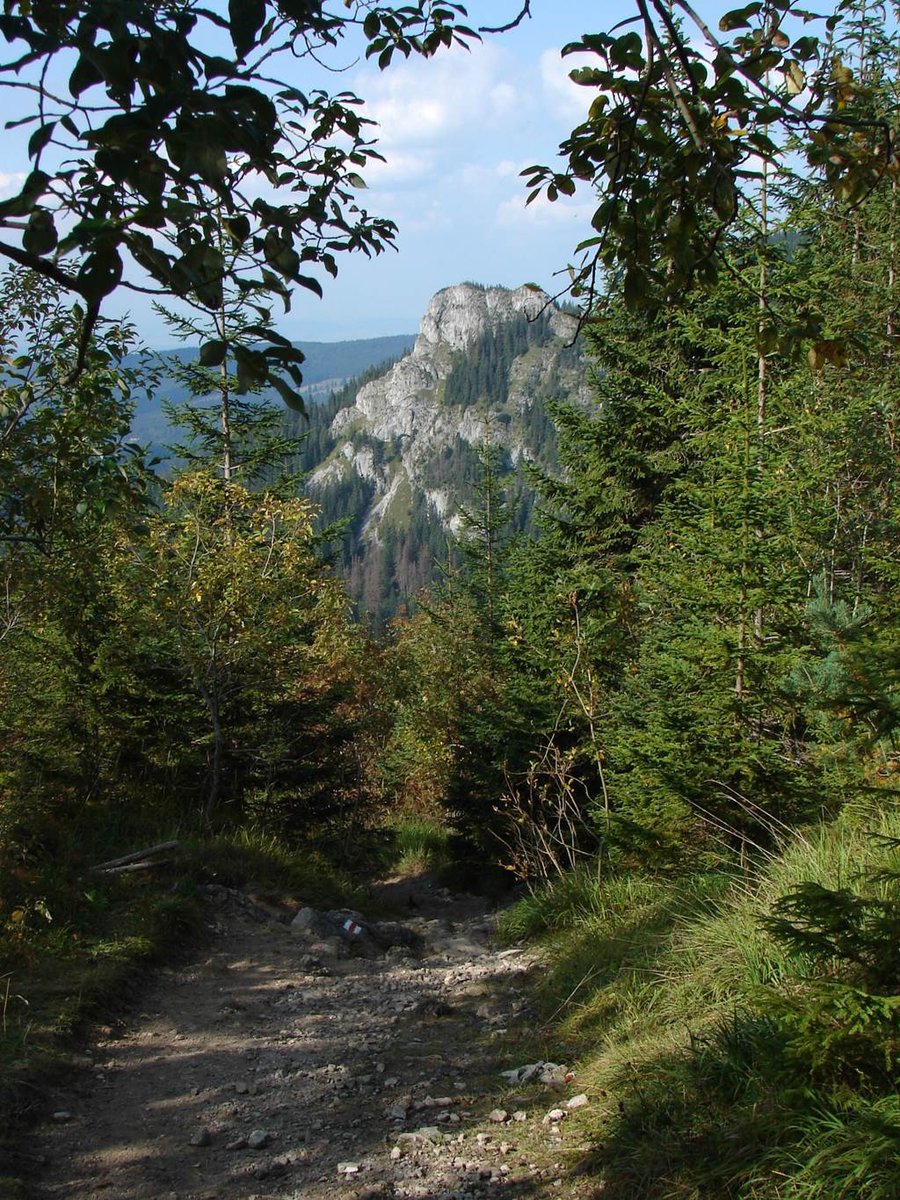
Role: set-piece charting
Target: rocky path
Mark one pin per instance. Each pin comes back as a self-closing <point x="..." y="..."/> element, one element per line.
<point x="295" y="1064"/>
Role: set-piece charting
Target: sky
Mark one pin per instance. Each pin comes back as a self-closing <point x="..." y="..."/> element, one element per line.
<point x="455" y="132"/>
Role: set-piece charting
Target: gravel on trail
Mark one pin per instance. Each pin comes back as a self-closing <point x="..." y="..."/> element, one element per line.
<point x="321" y="1062"/>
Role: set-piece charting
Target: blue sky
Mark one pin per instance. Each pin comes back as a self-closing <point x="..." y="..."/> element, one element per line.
<point x="455" y="132"/>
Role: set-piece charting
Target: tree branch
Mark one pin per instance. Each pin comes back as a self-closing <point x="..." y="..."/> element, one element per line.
<point x="525" y="12"/>
<point x="43" y="266"/>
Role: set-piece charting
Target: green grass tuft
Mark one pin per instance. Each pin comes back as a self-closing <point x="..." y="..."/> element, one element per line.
<point x="415" y="844"/>
<point x="664" y="988"/>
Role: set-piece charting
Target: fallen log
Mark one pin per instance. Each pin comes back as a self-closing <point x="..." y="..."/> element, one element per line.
<point x="145" y="865"/>
<point x="138" y="856"/>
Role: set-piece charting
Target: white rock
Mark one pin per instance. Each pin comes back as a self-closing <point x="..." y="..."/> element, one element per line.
<point x="577" y="1101"/>
<point x="348" y="1168"/>
<point x="258" y="1139"/>
<point x="498" y="1115"/>
<point x="303" y="921"/>
<point x="554" y="1116"/>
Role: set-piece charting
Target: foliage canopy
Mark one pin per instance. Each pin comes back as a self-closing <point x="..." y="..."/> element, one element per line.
<point x="155" y="125"/>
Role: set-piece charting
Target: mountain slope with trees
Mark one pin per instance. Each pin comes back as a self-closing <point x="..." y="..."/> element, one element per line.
<point x="327" y="366"/>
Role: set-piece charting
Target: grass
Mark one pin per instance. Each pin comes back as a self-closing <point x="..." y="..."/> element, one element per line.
<point x="660" y="988"/>
<point x="415" y="844"/>
<point x="259" y="860"/>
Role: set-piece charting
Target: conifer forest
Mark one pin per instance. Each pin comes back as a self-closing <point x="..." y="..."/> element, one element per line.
<point x="649" y="691"/>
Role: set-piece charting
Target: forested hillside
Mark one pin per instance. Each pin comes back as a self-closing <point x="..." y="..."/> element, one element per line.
<point x="327" y="366"/>
<point x="656" y="684"/>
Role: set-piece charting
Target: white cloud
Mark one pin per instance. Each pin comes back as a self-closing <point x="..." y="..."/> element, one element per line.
<point x="504" y="98"/>
<point x="418" y="103"/>
<point x="11" y="182"/>
<point x="400" y="166"/>
<point x="432" y="216"/>
<point x="569" y="101"/>
<point x="542" y="212"/>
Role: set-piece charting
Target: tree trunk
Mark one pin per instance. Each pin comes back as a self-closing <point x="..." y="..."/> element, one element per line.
<point x="211" y="701"/>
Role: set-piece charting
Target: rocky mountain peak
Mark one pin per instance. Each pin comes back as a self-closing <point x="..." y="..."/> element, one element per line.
<point x="405" y="399"/>
<point x="405" y="450"/>
<point x="457" y="316"/>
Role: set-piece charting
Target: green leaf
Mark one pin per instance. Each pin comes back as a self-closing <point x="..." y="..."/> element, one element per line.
<point x="724" y="196"/>
<point x="587" y="76"/>
<point x="627" y="51"/>
<point x="289" y="395"/>
<point x="237" y="228"/>
<point x="757" y="65"/>
<point x="40" y="138"/>
<point x="252" y="369"/>
<point x="216" y="67"/>
<point x="635" y="287"/>
<point x="311" y="284"/>
<point x="40" y="233"/>
<point x="212" y="354"/>
<point x="794" y="78"/>
<point x="153" y="260"/>
<point x="84" y="75"/>
<point x="100" y="273"/>
<point x="245" y="19"/>
<point x="805" y="48"/>
<point x="281" y="254"/>
<point x="739" y="18"/>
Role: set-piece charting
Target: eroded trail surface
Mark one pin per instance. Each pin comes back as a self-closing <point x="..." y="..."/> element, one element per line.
<point x="295" y="1064"/>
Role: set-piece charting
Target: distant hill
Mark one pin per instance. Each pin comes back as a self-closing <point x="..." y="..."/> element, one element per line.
<point x="328" y="366"/>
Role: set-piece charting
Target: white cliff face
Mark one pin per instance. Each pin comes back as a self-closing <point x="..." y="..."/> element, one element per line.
<point x="457" y="316"/>
<point x="406" y="402"/>
<point x="406" y="407"/>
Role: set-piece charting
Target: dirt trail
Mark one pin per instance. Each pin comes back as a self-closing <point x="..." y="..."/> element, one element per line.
<point x="281" y="1066"/>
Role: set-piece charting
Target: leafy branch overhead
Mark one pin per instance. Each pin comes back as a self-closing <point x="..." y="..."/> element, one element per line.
<point x="155" y="125"/>
<point x="682" y="119"/>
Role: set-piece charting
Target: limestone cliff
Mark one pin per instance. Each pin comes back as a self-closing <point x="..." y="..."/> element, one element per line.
<point x="484" y="364"/>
